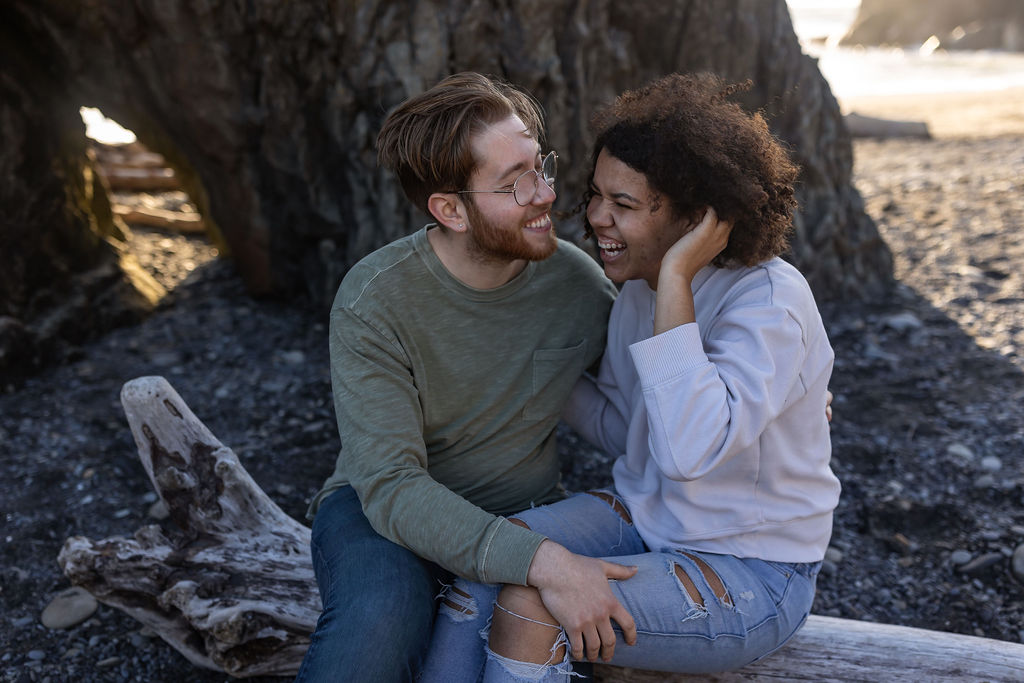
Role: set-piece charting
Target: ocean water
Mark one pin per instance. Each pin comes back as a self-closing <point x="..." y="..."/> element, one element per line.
<point x="859" y="71"/>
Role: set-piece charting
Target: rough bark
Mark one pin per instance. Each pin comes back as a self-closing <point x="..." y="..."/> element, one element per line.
<point x="64" y="274"/>
<point x="233" y="589"/>
<point x="958" y="25"/>
<point x="268" y="111"/>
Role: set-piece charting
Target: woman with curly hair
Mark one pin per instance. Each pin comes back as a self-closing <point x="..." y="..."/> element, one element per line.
<point x="710" y="396"/>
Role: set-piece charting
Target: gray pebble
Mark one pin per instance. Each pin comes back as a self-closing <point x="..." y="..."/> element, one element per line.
<point x="985" y="481"/>
<point x="991" y="463"/>
<point x="834" y="555"/>
<point x="36" y="655"/>
<point x="22" y="622"/>
<point x="901" y="322"/>
<point x="958" y="450"/>
<point x="158" y="510"/>
<point x="108" y="662"/>
<point x="1017" y="562"/>
<point x="980" y="563"/>
<point x="69" y="608"/>
<point x="960" y="557"/>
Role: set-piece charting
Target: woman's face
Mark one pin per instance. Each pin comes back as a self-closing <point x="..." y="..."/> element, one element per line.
<point x="633" y="223"/>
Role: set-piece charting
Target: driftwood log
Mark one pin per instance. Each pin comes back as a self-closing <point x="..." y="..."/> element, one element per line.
<point x="233" y="588"/>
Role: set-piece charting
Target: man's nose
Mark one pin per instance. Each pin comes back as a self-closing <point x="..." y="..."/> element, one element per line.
<point x="545" y="193"/>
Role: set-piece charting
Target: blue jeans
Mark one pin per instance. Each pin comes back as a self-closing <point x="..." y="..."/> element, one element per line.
<point x="747" y="608"/>
<point x="378" y="599"/>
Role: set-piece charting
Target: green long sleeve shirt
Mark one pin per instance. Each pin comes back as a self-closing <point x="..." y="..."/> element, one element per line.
<point x="447" y="398"/>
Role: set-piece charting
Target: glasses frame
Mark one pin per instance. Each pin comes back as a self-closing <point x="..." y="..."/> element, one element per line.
<point x="551" y="156"/>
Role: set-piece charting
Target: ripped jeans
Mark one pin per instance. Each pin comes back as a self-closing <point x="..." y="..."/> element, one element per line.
<point x="695" y="612"/>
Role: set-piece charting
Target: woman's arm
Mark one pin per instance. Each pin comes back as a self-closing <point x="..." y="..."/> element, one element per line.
<point x="681" y="262"/>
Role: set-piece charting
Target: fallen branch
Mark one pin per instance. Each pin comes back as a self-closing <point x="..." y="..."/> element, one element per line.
<point x="179" y="221"/>
<point x="139" y="179"/>
<point x="234" y="589"/>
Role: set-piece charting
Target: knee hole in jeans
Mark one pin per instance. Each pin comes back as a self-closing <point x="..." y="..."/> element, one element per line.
<point x="462" y="603"/>
<point x="614" y="502"/>
<point x="523" y="629"/>
<point x="712" y="578"/>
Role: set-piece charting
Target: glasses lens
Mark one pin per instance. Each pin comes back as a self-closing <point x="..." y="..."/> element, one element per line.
<point x="549" y="168"/>
<point x="527" y="184"/>
<point x="525" y="188"/>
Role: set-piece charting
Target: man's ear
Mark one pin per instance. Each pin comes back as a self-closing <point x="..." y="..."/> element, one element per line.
<point x="448" y="209"/>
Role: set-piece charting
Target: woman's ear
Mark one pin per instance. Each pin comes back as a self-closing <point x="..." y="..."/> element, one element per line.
<point x="447" y="208"/>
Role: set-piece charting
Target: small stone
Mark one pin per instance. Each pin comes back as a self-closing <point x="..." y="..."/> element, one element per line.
<point x="108" y="662"/>
<point x="901" y="322"/>
<point x="991" y="463"/>
<point x="985" y="481"/>
<point x="293" y="357"/>
<point x="36" y="655"/>
<point x="22" y="622"/>
<point x="960" y="557"/>
<point x="1017" y="563"/>
<point x="834" y="555"/>
<point x="71" y="653"/>
<point x="958" y="450"/>
<point x="158" y="510"/>
<point x="829" y="568"/>
<point x="69" y="608"/>
<point x="980" y="563"/>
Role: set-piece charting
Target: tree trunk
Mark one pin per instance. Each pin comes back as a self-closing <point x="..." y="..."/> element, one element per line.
<point x="234" y="588"/>
<point x="64" y="272"/>
<point x="268" y="111"/>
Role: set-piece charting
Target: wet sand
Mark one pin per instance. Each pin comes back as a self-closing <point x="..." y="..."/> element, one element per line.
<point x="948" y="115"/>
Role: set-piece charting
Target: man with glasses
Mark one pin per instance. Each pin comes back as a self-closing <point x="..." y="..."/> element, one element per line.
<point x="452" y="353"/>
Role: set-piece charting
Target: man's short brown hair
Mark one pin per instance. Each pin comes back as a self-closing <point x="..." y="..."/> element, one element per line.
<point x="426" y="141"/>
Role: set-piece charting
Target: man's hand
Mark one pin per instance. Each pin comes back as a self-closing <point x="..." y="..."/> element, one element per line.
<point x="575" y="590"/>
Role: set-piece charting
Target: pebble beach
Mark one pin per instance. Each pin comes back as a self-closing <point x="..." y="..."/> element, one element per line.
<point x="928" y="434"/>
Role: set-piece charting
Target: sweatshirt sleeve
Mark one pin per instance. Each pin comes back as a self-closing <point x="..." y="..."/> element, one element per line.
<point x="594" y="416"/>
<point x="708" y="400"/>
<point x="384" y="459"/>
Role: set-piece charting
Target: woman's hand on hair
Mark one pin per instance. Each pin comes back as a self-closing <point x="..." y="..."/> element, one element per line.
<point x="693" y="251"/>
<point x="697" y="248"/>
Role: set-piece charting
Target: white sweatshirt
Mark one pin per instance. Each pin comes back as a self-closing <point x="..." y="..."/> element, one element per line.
<point x="719" y="425"/>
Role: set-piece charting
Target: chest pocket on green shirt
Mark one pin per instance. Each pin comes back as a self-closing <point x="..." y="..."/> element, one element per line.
<point x="555" y="372"/>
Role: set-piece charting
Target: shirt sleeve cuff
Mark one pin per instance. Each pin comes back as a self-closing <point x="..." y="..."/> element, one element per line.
<point x="668" y="355"/>
<point x="510" y="555"/>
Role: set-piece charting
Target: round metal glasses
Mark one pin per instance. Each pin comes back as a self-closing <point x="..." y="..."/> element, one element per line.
<point x="525" y="188"/>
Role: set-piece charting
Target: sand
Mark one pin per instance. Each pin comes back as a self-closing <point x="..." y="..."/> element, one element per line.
<point x="949" y="115"/>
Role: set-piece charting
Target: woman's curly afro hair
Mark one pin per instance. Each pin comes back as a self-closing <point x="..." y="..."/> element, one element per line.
<point x="698" y="149"/>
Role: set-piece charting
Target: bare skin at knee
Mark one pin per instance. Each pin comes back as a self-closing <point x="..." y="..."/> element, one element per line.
<point x="717" y="587"/>
<point x="520" y="639"/>
<point x="457" y="607"/>
<point x="614" y="502"/>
